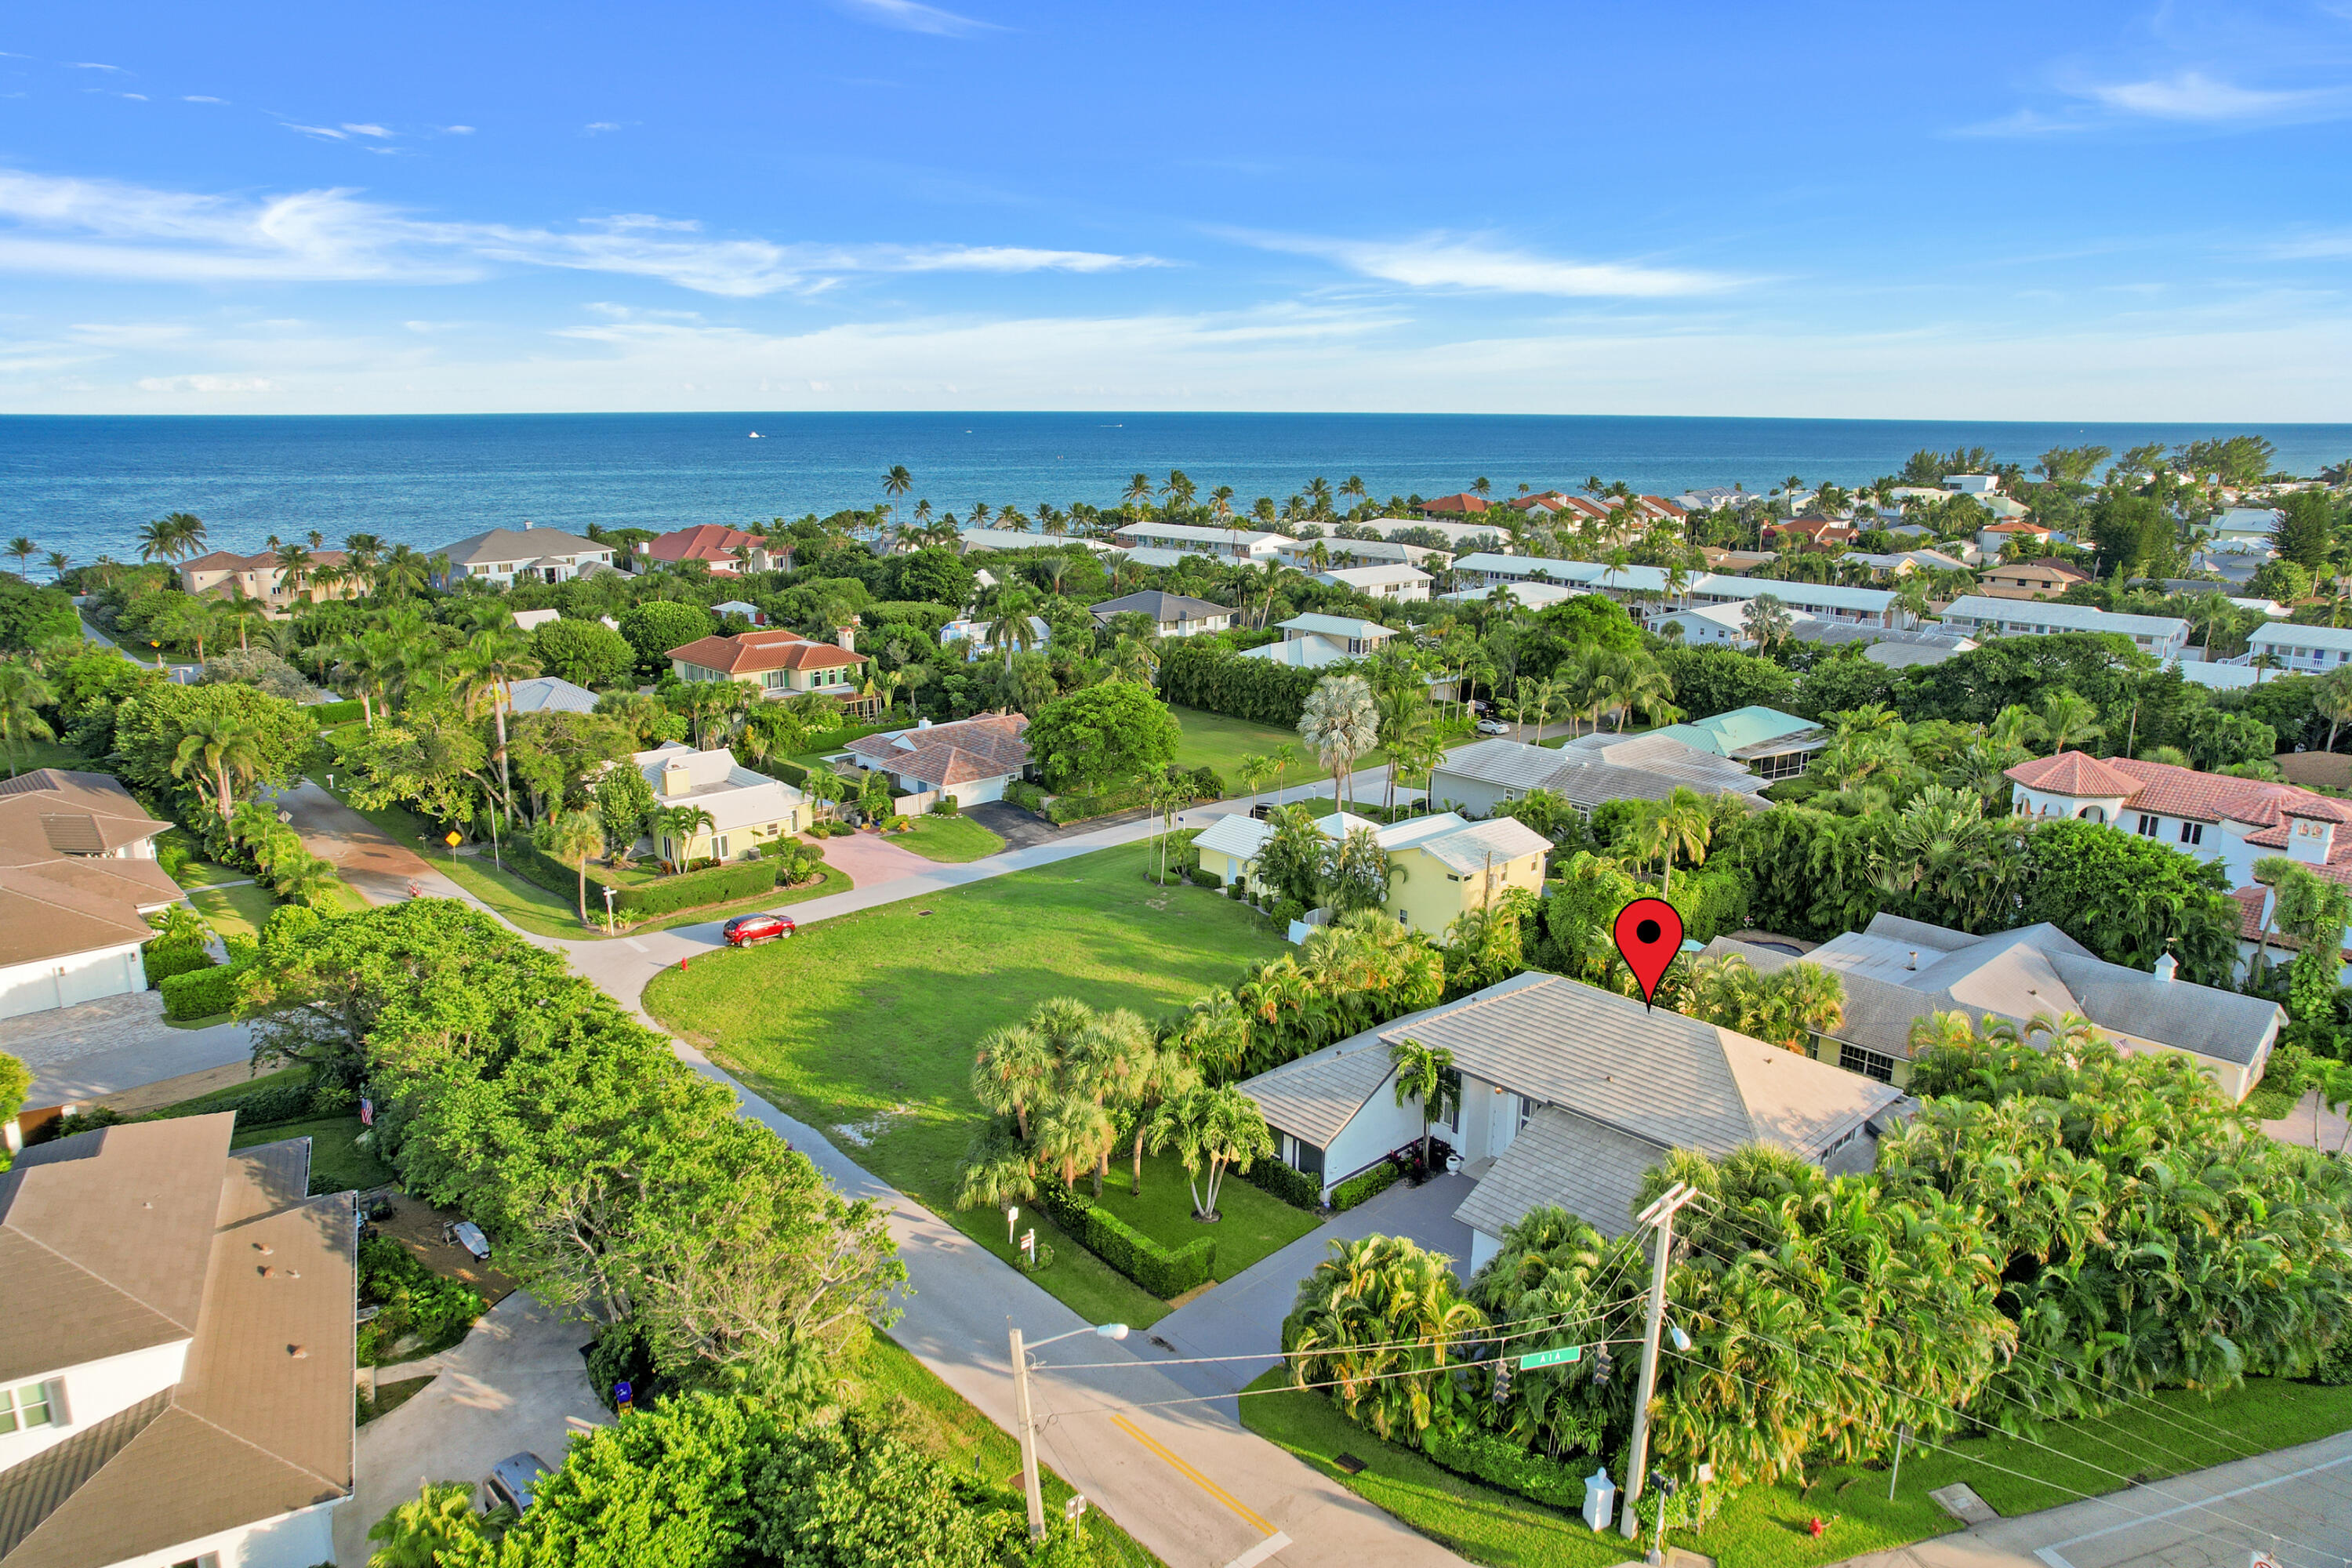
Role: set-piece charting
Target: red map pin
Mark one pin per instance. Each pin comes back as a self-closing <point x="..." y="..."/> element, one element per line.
<point x="1648" y="933"/>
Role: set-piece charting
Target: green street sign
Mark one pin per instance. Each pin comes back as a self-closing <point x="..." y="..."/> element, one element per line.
<point x="1535" y="1359"/>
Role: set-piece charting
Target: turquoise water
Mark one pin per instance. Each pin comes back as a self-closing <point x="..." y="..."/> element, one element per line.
<point x="84" y="484"/>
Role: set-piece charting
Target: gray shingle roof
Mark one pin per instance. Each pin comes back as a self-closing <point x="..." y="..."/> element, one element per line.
<point x="1465" y="849"/>
<point x="1592" y="1170"/>
<point x="1597" y="768"/>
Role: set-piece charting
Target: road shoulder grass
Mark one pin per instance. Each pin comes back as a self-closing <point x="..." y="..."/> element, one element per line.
<point x="1769" y="1527"/>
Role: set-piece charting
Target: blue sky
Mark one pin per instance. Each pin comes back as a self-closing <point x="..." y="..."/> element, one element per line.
<point x="1990" y="210"/>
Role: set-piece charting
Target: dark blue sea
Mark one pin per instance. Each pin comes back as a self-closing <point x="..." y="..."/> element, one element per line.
<point x="84" y="485"/>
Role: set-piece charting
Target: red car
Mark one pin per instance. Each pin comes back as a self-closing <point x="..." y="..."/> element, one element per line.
<point x="745" y="930"/>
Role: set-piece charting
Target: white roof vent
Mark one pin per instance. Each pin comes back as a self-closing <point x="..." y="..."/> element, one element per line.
<point x="2166" y="967"/>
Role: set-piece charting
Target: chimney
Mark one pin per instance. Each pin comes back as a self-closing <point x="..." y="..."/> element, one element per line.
<point x="675" y="780"/>
<point x="2166" y="967"/>
<point x="848" y="637"/>
<point x="526" y="525"/>
<point x="922" y="723"/>
<point x="1914" y="963"/>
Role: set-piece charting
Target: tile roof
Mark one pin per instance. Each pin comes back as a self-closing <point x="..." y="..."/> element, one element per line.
<point x="754" y="652"/>
<point x="2161" y="789"/>
<point x="250" y="1432"/>
<point x="1591" y="1169"/>
<point x="986" y="747"/>
<point x="1160" y="607"/>
<point x="518" y="545"/>
<point x="1463" y="500"/>
<point x="703" y="541"/>
<point x="2074" y="773"/>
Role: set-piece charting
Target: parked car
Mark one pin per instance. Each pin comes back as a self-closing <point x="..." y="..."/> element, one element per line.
<point x="511" y="1482"/>
<point x="745" y="930"/>
<point x="465" y="1233"/>
<point x="1493" y="727"/>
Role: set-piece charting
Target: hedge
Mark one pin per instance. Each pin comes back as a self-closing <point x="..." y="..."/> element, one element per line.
<point x="200" y="993"/>
<point x="1164" y="1273"/>
<point x="263" y="1107"/>
<point x="1357" y="1188"/>
<point x="648" y="901"/>
<point x="1292" y="1185"/>
<point x="1500" y="1462"/>
<point x="1218" y="681"/>
<point x="329" y="714"/>
<point x="164" y="960"/>
<point x="1079" y="808"/>
<point x="791" y="773"/>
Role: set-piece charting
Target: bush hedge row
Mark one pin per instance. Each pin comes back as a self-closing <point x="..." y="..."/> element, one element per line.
<point x="164" y="960"/>
<point x="648" y="901"/>
<point x="266" y="1106"/>
<point x="1166" y="1274"/>
<point x="1357" y="1188"/>
<point x="1499" y="1462"/>
<point x="200" y="993"/>
<point x="329" y="714"/>
<point x="1293" y="1187"/>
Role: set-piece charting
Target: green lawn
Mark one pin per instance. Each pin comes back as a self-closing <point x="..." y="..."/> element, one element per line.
<point x="932" y="1416"/>
<point x="864" y="1023"/>
<point x="529" y="906"/>
<point x="25" y="756"/>
<point x="234" y="912"/>
<point x="197" y="872"/>
<point x="948" y="838"/>
<point x="1213" y="741"/>
<point x="336" y="1165"/>
<point x="1765" y="1527"/>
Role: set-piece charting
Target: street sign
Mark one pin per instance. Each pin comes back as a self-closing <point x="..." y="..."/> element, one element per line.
<point x="453" y="839"/>
<point x="624" y="1396"/>
<point x="1535" y="1359"/>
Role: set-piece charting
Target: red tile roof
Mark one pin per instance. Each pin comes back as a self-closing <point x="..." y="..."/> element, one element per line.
<point x="2164" y="790"/>
<point x="704" y="542"/>
<point x="1464" y="502"/>
<point x="2017" y="528"/>
<point x="754" y="652"/>
<point x="986" y="747"/>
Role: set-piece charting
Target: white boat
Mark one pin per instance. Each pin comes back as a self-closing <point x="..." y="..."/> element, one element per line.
<point x="755" y="435"/>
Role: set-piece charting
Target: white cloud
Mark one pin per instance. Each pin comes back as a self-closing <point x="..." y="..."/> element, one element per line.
<point x="207" y="384"/>
<point x="598" y="127"/>
<point x="91" y="66"/>
<point x="200" y="98"/>
<point x="101" y="228"/>
<point x="327" y="132"/>
<point x="457" y="130"/>
<point x="366" y="130"/>
<point x="910" y="16"/>
<point x="1471" y="263"/>
<point x="135" y="97"/>
<point x="2194" y="97"/>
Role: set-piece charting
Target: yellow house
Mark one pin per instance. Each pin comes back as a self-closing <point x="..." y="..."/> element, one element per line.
<point x="1440" y="867"/>
<point x="746" y="809"/>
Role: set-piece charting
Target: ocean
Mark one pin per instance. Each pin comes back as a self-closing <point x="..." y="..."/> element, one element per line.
<point x="83" y="485"/>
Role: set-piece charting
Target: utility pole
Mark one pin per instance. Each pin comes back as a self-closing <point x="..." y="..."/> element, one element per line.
<point x="1028" y="1439"/>
<point x="1660" y="1217"/>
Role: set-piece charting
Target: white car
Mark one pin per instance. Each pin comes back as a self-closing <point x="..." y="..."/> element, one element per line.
<point x="1493" y="727"/>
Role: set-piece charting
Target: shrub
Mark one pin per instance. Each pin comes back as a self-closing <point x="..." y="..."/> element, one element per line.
<point x="1028" y="796"/>
<point x="1237" y="889"/>
<point x="1079" y="808"/>
<point x="1466" y="1450"/>
<point x="74" y="1121"/>
<point x="946" y="805"/>
<point x="1287" y="911"/>
<point x="200" y="993"/>
<point x="271" y="1104"/>
<point x="1292" y="1185"/>
<point x="329" y="715"/>
<point x="793" y="774"/>
<point x="621" y="1353"/>
<point x="410" y="1298"/>
<point x="1158" y="1269"/>
<point x="719" y="885"/>
<point x="1207" y="785"/>
<point x="1205" y="877"/>
<point x="1358" y="1188"/>
<point x="173" y="853"/>
<point x="165" y="959"/>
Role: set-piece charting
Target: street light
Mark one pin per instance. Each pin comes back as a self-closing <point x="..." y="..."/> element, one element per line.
<point x="1028" y="1425"/>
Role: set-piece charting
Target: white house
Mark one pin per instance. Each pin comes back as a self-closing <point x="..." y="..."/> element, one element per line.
<point x="1313" y="641"/>
<point x="968" y="762"/>
<point x="1300" y="553"/>
<point x="1457" y="535"/>
<point x="2253" y="525"/>
<point x="972" y="538"/>
<point x="1171" y="615"/>
<point x="1823" y="601"/>
<point x="1395" y="580"/>
<point x="175" y="1362"/>
<point x="1568" y="1096"/>
<point x="1483" y="777"/>
<point x="1718" y="625"/>
<point x="2300" y="650"/>
<point x="508" y="556"/>
<point x="2163" y="636"/>
<point x="1528" y="595"/>
<point x="979" y="638"/>
<point x="1188" y="539"/>
<point x="2214" y="816"/>
<point x="78" y="880"/>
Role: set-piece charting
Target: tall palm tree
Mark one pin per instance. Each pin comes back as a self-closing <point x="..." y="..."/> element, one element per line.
<point x="485" y="671"/>
<point x="1680" y="825"/>
<point x="2333" y="701"/>
<point x="1137" y="493"/>
<point x="1426" y="1077"/>
<point x="364" y="550"/>
<point x="295" y="568"/>
<point x="219" y="748"/>
<point x="574" y="838"/>
<point x="681" y="824"/>
<point x="24" y="550"/>
<point x="59" y="563"/>
<point x="23" y="694"/>
<point x="898" y="481"/>
<point x="1341" y="722"/>
<point x="1212" y="1130"/>
<point x="1252" y="771"/>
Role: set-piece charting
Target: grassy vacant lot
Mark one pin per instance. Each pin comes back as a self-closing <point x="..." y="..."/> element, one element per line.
<point x="336" y="1165"/>
<point x="931" y="1416"/>
<point x="948" y="838"/>
<point x="1212" y="740"/>
<point x="234" y="912"/>
<point x="865" y="1023"/>
<point x="1765" y="1527"/>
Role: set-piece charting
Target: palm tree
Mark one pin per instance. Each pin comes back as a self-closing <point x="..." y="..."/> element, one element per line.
<point x="417" y="1534"/>
<point x="1111" y="1064"/>
<point x="310" y="880"/>
<point x="576" y="837"/>
<point x="1375" y="1326"/>
<point x="1212" y="1129"/>
<point x="2067" y="719"/>
<point x="23" y="693"/>
<point x="485" y="670"/>
<point x="24" y="550"/>
<point x="1426" y="1075"/>
<point x="1680" y="825"/>
<point x="295" y="568"/>
<point x="1252" y="771"/>
<point x="2333" y="700"/>
<point x="363" y="550"/>
<point x="1012" y="1070"/>
<point x="59" y="563"/>
<point x="1341" y="722"/>
<point x="1768" y="620"/>
<point x="898" y="481"/>
<point x="218" y="748"/>
<point x="1074" y="1133"/>
<point x="681" y="824"/>
<point x="1137" y="493"/>
<point x="1405" y="722"/>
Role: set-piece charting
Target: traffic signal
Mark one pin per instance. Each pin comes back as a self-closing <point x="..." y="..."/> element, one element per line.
<point x="1601" y="1366"/>
<point x="1502" y="1380"/>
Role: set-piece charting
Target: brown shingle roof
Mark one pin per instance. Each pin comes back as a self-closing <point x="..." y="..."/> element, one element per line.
<point x="252" y="1430"/>
<point x="986" y="747"/>
<point x="757" y="651"/>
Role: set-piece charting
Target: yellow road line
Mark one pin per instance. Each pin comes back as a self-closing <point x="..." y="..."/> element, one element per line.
<point x="1204" y="1483"/>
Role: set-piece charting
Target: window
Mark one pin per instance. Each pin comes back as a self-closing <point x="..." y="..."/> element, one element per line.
<point x="718" y="846"/>
<point x="1869" y="1063"/>
<point x="26" y="1407"/>
<point x="2148" y="825"/>
<point x="2192" y="833"/>
<point x="1527" y="1111"/>
<point x="1301" y="1156"/>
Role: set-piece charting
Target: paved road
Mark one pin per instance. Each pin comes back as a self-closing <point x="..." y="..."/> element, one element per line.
<point x="1242" y="1316"/>
<point x="80" y="1053"/>
<point x="2294" y="1504"/>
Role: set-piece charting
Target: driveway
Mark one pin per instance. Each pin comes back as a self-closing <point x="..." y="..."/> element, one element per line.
<point x="517" y="1384"/>
<point x="100" y="1048"/>
<point x="1018" y="829"/>
<point x="1242" y="1316"/>
<point x="869" y="859"/>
